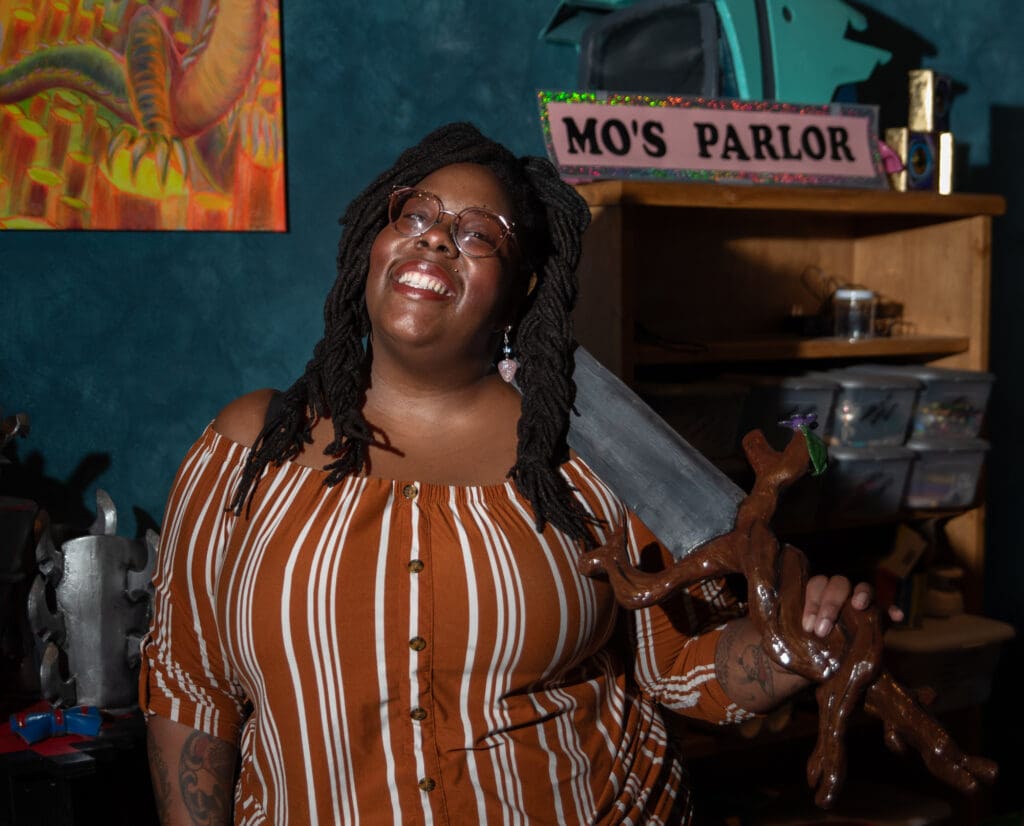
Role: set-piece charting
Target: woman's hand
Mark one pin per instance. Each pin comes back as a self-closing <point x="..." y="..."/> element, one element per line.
<point x="751" y="678"/>
<point x="825" y="597"/>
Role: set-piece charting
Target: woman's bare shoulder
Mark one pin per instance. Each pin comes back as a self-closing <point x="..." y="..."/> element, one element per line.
<point x="242" y="420"/>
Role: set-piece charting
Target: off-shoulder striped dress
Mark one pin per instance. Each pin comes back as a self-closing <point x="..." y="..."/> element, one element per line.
<point x="395" y="652"/>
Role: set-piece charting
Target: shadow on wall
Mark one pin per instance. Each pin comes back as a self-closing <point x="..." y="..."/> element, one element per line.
<point x="64" y="501"/>
<point x="886" y="87"/>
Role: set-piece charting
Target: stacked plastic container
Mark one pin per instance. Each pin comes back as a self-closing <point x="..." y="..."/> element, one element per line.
<point x="944" y="435"/>
<point x="899" y="437"/>
<point x="869" y="464"/>
<point x="774" y="399"/>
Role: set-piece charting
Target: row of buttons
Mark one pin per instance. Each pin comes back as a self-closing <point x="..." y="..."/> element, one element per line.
<point x="418" y="714"/>
<point x="426" y="784"/>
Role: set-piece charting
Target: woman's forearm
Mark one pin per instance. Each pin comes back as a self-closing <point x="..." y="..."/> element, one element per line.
<point x="747" y="674"/>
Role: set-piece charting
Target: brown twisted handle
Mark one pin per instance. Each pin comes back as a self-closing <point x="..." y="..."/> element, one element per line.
<point x="846" y="664"/>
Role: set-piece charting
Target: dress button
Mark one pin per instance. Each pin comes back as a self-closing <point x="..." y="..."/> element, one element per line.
<point x="427" y="785"/>
<point x="410" y="491"/>
<point x="415" y="566"/>
<point x="417" y="643"/>
<point x="418" y="714"/>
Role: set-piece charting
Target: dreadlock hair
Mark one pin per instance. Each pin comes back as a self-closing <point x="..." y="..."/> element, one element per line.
<point x="550" y="218"/>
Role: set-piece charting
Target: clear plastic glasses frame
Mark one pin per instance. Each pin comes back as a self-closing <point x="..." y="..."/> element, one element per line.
<point x="476" y="231"/>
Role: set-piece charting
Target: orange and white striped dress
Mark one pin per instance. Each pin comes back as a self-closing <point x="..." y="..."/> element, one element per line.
<point x="394" y="652"/>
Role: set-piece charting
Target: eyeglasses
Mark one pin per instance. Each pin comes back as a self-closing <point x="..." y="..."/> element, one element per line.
<point x="477" y="232"/>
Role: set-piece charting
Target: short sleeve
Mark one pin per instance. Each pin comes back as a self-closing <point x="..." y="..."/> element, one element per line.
<point x="675" y="642"/>
<point x="185" y="675"/>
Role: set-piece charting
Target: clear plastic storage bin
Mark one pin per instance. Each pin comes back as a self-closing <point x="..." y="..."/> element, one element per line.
<point x="952" y="403"/>
<point x="946" y="473"/>
<point x="773" y="399"/>
<point x="865" y="483"/>
<point x="871" y="409"/>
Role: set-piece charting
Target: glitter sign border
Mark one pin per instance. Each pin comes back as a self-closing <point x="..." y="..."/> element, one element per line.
<point x="677" y="145"/>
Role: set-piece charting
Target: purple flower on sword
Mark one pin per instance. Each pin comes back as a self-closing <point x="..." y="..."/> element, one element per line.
<point x="798" y="420"/>
<point x="804" y="423"/>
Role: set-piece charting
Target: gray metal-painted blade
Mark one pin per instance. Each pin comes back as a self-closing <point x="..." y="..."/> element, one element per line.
<point x="683" y="498"/>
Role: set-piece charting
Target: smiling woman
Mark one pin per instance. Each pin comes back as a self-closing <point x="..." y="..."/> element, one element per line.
<point x="424" y="288"/>
<point x="368" y="587"/>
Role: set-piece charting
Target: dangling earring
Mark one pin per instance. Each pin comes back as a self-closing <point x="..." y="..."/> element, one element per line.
<point x="507" y="366"/>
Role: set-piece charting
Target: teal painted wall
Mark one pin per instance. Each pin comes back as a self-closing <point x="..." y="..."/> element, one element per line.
<point x="122" y="346"/>
<point x="126" y="344"/>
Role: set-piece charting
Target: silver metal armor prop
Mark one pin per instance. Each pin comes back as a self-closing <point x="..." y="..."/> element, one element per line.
<point x="90" y="605"/>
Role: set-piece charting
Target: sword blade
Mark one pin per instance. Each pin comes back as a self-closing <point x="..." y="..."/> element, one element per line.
<point x="683" y="498"/>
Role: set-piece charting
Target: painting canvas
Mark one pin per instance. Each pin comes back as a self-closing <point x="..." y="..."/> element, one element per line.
<point x="123" y="114"/>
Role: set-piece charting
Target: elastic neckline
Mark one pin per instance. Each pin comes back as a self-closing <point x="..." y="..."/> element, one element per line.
<point x="427" y="491"/>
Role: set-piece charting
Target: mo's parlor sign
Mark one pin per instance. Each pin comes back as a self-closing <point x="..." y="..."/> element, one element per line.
<point x="592" y="135"/>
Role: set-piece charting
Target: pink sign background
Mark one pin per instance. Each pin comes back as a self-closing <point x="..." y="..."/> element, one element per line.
<point x="631" y="136"/>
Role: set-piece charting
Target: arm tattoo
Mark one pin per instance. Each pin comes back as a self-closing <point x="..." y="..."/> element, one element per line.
<point x="740" y="673"/>
<point x="205" y="772"/>
<point x="161" y="780"/>
<point x="757" y="668"/>
<point x="722" y="653"/>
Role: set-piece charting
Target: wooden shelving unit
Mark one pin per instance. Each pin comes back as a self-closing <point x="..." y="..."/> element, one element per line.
<point x="784" y="348"/>
<point x="788" y="199"/>
<point x="687" y="280"/>
<point x="710" y="274"/>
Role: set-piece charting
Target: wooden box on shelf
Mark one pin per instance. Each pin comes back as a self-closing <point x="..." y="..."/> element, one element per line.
<point x="709" y="274"/>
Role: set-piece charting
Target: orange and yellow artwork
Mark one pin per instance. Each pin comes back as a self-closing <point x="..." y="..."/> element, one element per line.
<point x="135" y="115"/>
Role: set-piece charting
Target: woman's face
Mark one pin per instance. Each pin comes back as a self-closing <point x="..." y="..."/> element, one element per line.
<point x="424" y="291"/>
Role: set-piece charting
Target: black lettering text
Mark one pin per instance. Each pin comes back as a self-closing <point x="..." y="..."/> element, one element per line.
<point x="813" y="143"/>
<point x="707" y="135"/>
<point x="762" y="136"/>
<point x="787" y="151"/>
<point x="654" y="140"/>
<point x="732" y="145"/>
<point x="582" y="141"/>
<point x="616" y="145"/>
<point x="837" y="138"/>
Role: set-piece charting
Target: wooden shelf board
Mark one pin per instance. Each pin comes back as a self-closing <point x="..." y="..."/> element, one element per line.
<point x="799" y="199"/>
<point x="784" y="348"/>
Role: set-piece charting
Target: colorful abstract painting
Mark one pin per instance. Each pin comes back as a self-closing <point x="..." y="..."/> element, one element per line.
<point x="123" y="114"/>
